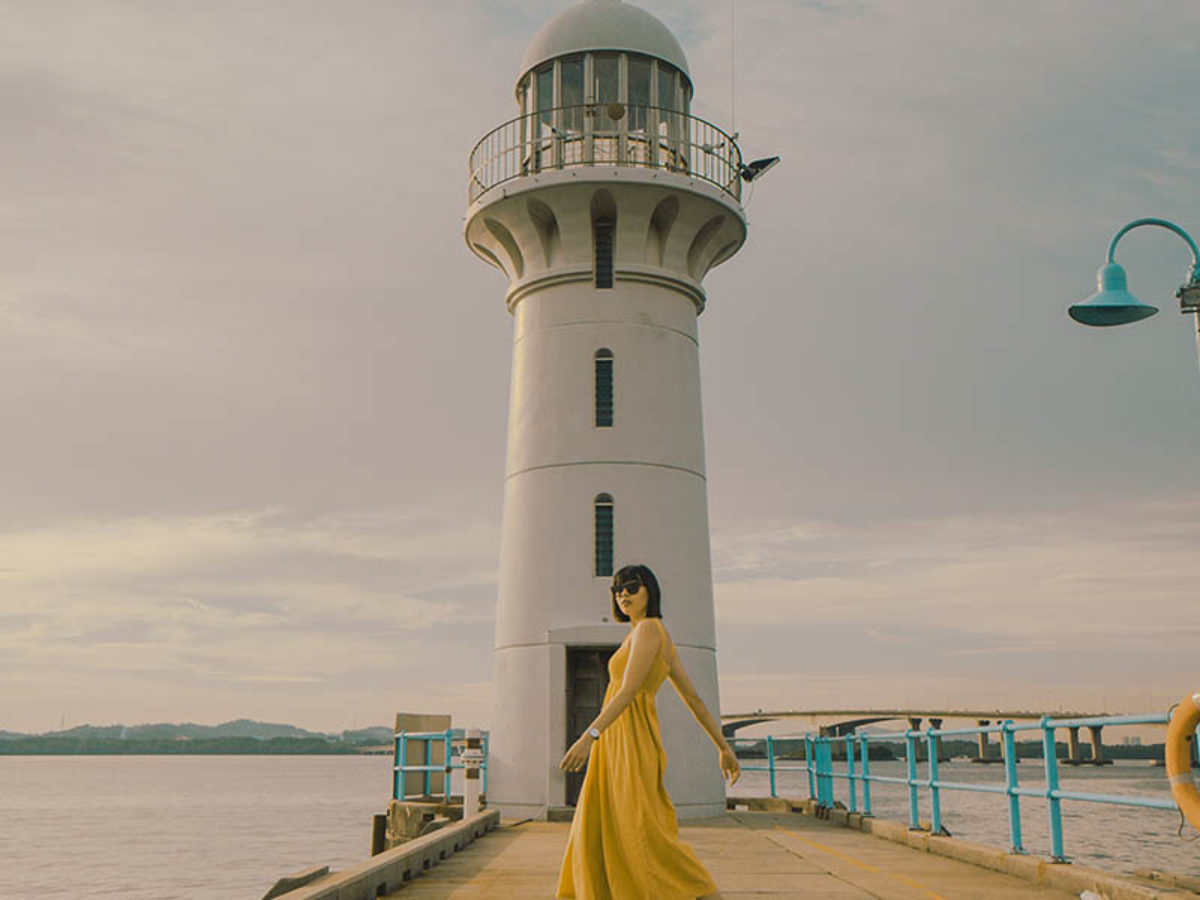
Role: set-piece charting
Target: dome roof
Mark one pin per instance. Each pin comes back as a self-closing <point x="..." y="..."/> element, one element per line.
<point x="604" y="25"/>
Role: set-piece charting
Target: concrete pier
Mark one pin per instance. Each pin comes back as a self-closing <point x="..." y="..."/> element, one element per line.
<point x="1073" y="755"/>
<point x="985" y="747"/>
<point x="1074" y="752"/>
<point x="777" y="855"/>
<point x="1097" y="746"/>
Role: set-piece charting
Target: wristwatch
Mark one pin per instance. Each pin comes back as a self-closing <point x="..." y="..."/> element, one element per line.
<point x="594" y="733"/>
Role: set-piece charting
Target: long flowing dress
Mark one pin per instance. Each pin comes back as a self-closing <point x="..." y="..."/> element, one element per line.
<point x="624" y="842"/>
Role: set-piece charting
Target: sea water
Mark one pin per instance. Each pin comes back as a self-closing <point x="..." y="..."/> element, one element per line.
<point x="226" y="827"/>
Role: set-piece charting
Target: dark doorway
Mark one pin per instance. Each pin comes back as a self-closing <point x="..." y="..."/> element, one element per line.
<point x="587" y="680"/>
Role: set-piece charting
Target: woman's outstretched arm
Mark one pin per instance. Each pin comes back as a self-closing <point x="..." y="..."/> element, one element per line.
<point x="730" y="767"/>
<point x="643" y="648"/>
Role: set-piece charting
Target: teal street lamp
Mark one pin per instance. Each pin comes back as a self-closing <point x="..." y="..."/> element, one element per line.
<point x="1112" y="304"/>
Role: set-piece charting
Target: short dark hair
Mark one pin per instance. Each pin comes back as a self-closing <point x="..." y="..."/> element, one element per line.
<point x="647" y="579"/>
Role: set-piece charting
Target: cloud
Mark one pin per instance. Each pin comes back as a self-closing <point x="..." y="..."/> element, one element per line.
<point x="1077" y="607"/>
<point x="268" y="598"/>
<point x="1089" y="573"/>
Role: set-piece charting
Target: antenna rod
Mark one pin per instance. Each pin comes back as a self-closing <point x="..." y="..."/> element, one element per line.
<point x="732" y="66"/>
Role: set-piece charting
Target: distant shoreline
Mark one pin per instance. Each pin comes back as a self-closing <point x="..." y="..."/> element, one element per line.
<point x="241" y="746"/>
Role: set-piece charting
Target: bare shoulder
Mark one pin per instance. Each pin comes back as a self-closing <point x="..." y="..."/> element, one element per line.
<point x="646" y="632"/>
<point x="667" y="643"/>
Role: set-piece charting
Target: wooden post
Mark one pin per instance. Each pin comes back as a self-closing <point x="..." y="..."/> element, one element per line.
<point x="378" y="834"/>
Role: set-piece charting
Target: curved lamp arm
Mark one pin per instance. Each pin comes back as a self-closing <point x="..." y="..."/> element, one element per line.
<point x="1161" y="223"/>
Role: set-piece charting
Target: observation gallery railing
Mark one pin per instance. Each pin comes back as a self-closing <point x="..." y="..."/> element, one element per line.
<point x="606" y="135"/>
<point x="819" y="765"/>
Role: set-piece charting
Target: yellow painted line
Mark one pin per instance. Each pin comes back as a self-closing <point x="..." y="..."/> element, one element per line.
<point x="903" y="879"/>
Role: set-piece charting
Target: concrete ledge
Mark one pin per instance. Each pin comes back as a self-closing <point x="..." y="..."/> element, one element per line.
<point x="1061" y="876"/>
<point x="388" y="871"/>
<point x="296" y="880"/>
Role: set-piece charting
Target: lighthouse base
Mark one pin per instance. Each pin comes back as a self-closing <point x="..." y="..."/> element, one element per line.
<point x="528" y="738"/>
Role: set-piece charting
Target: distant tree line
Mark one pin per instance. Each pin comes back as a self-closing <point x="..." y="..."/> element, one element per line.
<point x="238" y="737"/>
<point x="225" y="746"/>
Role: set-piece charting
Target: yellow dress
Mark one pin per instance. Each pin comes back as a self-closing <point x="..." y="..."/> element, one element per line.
<point x="624" y="842"/>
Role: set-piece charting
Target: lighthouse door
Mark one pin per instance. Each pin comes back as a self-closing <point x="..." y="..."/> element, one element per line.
<point x="587" y="680"/>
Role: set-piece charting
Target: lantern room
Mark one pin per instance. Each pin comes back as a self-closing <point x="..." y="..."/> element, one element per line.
<point x="605" y="83"/>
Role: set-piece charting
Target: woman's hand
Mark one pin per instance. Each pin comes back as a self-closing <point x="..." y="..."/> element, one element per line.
<point x="576" y="758"/>
<point x="730" y="767"/>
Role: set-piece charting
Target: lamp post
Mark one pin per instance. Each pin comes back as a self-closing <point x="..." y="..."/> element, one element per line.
<point x="1112" y="304"/>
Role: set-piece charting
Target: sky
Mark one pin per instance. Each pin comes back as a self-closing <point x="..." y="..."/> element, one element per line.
<point x="253" y="386"/>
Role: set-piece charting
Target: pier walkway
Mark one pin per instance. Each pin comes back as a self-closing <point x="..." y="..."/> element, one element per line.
<point x="761" y="855"/>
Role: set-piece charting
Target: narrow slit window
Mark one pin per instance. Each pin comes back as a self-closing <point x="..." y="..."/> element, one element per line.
<point x="603" y="235"/>
<point x="604" y="388"/>
<point x="603" y="506"/>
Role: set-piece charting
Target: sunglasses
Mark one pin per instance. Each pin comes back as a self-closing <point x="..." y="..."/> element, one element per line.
<point x="626" y="587"/>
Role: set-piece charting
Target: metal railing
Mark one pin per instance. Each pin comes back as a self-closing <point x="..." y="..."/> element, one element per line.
<point x="819" y="765"/>
<point x="451" y="739"/>
<point x="613" y="134"/>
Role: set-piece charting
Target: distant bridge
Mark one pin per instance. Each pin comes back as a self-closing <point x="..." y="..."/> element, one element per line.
<point x="853" y="719"/>
<point x="856" y="718"/>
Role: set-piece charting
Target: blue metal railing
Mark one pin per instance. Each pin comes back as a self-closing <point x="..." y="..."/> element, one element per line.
<point x="818" y="764"/>
<point x="450" y="739"/>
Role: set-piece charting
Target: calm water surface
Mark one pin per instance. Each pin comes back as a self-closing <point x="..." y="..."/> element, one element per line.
<point x="205" y="827"/>
<point x="224" y="828"/>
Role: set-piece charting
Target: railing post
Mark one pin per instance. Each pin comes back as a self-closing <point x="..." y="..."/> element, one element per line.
<point x="771" y="762"/>
<point x="850" y="773"/>
<point x="446" y="763"/>
<point x="935" y="799"/>
<point x="398" y="769"/>
<point x="808" y="764"/>
<point x="914" y="813"/>
<point x="1010" y="783"/>
<point x="865" y="755"/>
<point x="486" y="736"/>
<point x="825" y="755"/>
<point x="830" y="784"/>
<point x="821" y="789"/>
<point x="1050" y="757"/>
<point x="428" y="742"/>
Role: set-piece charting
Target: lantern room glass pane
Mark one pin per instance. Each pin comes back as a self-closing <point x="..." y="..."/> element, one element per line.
<point x="666" y="86"/>
<point x="570" y="94"/>
<point x="545" y="88"/>
<point x="639" y="100"/>
<point x="544" y="99"/>
<point x="572" y="81"/>
<point x="606" y="84"/>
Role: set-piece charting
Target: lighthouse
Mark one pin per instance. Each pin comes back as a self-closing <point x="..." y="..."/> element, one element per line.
<point x="605" y="202"/>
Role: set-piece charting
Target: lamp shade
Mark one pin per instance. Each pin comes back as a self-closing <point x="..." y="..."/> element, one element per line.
<point x="1112" y="304"/>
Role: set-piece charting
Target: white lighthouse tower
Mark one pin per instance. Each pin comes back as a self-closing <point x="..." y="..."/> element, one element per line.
<point x="605" y="203"/>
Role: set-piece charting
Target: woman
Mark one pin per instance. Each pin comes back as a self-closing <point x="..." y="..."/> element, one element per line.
<point x="624" y="842"/>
